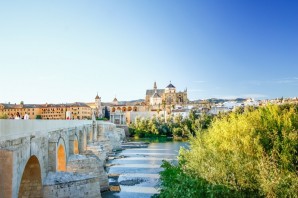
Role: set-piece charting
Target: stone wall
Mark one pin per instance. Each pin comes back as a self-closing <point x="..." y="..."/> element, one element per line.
<point x="65" y="185"/>
<point x="96" y="150"/>
<point x="115" y="138"/>
<point x="113" y="135"/>
<point x="14" y="129"/>
<point x="31" y="184"/>
<point x="91" y="165"/>
<point x="6" y="173"/>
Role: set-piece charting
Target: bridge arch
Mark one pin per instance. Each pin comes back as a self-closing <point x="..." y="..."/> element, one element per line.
<point x="61" y="155"/>
<point x="31" y="182"/>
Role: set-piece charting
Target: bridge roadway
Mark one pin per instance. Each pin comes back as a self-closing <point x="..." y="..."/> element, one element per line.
<point x="55" y="158"/>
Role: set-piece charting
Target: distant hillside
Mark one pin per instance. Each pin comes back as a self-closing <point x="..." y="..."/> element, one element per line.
<point x="220" y="100"/>
<point x="211" y="100"/>
<point x="129" y="102"/>
<point x="132" y="102"/>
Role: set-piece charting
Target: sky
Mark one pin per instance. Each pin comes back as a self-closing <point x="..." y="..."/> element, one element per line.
<point x="68" y="51"/>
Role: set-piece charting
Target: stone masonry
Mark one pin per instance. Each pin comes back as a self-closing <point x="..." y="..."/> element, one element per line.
<point x="29" y="157"/>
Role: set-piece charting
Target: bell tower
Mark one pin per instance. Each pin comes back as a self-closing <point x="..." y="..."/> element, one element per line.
<point x="155" y="86"/>
<point x="98" y="111"/>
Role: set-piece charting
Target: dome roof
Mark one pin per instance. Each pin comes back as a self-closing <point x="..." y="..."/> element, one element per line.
<point x="170" y="86"/>
<point x="115" y="99"/>
<point x="97" y="97"/>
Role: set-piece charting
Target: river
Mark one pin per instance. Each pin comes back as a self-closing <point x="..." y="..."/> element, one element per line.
<point x="139" y="168"/>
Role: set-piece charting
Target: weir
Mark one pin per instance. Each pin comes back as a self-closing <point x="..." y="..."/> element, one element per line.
<point x="55" y="158"/>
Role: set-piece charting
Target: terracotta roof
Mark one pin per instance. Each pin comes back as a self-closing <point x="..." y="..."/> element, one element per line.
<point x="19" y="106"/>
<point x="76" y="104"/>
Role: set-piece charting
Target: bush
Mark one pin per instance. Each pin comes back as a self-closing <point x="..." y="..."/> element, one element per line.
<point x="178" y="183"/>
<point x="4" y="116"/>
<point x="38" y="117"/>
<point x="251" y="151"/>
<point x="176" y="126"/>
<point x="104" y="119"/>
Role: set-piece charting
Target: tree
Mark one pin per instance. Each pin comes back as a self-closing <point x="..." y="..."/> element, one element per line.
<point x="107" y="113"/>
<point x="4" y="116"/>
<point x="254" y="151"/>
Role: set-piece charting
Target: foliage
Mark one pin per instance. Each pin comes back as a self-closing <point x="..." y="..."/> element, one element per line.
<point x="3" y="116"/>
<point x="38" y="117"/>
<point x="173" y="126"/>
<point x="106" y="114"/>
<point x="176" y="182"/>
<point x="104" y="119"/>
<point x="253" y="151"/>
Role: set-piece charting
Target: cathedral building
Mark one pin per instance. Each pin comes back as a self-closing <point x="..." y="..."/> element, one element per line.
<point x="157" y="102"/>
<point x="168" y="96"/>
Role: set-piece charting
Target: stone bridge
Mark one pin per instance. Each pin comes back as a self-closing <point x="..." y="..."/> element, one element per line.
<point x="55" y="158"/>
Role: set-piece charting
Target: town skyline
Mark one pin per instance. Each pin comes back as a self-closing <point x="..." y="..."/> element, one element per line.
<point x="60" y="52"/>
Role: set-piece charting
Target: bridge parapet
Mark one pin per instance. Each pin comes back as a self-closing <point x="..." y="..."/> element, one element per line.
<point x="14" y="129"/>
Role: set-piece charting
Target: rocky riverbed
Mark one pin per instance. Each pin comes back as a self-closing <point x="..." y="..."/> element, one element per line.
<point x="134" y="171"/>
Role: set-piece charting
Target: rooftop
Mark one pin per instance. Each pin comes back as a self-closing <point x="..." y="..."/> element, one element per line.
<point x="170" y="86"/>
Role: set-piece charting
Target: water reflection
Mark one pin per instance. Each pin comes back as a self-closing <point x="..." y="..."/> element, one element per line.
<point x="139" y="168"/>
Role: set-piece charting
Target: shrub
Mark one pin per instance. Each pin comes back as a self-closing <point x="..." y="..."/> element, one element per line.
<point x="176" y="183"/>
<point x="4" y="116"/>
<point x="252" y="151"/>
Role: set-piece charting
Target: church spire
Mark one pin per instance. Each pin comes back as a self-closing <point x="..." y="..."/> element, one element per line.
<point x="97" y="96"/>
<point x="155" y="86"/>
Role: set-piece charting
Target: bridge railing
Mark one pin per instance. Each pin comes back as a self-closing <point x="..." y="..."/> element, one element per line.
<point x="13" y="129"/>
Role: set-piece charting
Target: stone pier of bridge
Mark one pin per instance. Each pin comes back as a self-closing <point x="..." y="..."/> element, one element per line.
<point x="55" y="158"/>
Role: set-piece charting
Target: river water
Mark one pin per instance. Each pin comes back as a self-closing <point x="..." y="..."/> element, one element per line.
<point x="139" y="169"/>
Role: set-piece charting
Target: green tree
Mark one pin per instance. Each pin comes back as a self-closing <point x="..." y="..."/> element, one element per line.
<point x="255" y="151"/>
<point x="3" y="116"/>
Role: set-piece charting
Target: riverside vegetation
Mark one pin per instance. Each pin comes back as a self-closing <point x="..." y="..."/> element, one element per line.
<point x="249" y="153"/>
<point x="176" y="127"/>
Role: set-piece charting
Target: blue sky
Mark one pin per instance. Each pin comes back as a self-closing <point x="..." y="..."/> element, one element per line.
<point x="67" y="51"/>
